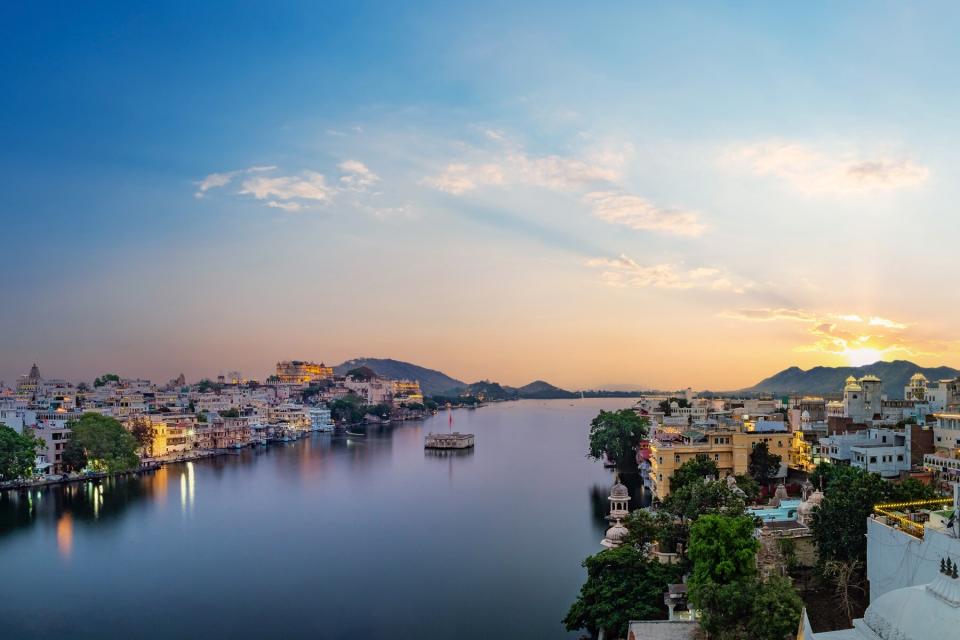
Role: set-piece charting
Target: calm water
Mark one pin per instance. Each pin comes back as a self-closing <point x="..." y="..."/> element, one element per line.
<point x="323" y="538"/>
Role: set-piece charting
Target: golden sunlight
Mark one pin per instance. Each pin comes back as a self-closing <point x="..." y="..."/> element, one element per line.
<point x="860" y="357"/>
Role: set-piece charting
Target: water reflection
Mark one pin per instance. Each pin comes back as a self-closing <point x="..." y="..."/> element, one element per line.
<point x="269" y="519"/>
<point x="65" y="535"/>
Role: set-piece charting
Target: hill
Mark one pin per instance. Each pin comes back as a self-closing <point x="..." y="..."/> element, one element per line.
<point x="820" y="380"/>
<point x="542" y="390"/>
<point x="432" y="382"/>
<point x="489" y="391"/>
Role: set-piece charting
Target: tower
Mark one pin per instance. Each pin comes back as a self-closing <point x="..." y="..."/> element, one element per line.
<point x="619" y="509"/>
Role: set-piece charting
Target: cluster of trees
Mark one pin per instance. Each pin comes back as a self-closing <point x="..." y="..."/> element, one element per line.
<point x="705" y="522"/>
<point x="105" y="378"/>
<point x="18" y="453"/>
<point x="734" y="602"/>
<point x="615" y="435"/>
<point x="623" y="584"/>
<point x="839" y="525"/>
<point x="100" y="443"/>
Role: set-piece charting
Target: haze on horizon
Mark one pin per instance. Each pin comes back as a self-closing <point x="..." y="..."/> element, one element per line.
<point x="656" y="195"/>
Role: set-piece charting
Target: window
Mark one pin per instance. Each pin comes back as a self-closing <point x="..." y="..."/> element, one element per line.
<point x="873" y="459"/>
<point x="676" y="458"/>
<point x="900" y="458"/>
<point x="716" y="457"/>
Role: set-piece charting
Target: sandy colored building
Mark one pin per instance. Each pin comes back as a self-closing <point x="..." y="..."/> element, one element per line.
<point x="730" y="450"/>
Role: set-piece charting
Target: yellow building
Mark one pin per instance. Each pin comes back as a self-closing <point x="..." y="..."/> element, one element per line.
<point x="300" y="372"/>
<point x="407" y="391"/>
<point x="729" y="450"/>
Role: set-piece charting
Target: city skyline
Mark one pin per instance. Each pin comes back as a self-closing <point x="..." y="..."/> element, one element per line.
<point x="628" y="195"/>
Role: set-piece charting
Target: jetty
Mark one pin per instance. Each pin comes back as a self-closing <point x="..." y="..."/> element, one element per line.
<point x="455" y="440"/>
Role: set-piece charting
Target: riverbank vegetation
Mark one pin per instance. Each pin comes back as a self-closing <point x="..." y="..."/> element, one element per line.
<point x="100" y="443"/>
<point x="18" y="452"/>
<point x="616" y="435"/>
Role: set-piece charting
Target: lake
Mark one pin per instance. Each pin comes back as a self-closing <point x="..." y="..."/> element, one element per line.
<point x="327" y="537"/>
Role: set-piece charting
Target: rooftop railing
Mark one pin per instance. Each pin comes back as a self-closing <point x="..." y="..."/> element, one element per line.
<point x="899" y="512"/>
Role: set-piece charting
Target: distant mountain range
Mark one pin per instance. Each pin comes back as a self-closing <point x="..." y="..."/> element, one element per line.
<point x="435" y="383"/>
<point x="820" y="380"/>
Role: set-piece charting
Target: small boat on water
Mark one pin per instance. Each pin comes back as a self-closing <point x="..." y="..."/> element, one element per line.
<point x="356" y="435"/>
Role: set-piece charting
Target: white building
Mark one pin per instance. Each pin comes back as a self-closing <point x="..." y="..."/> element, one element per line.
<point x="882" y="451"/>
<point x="946" y="432"/>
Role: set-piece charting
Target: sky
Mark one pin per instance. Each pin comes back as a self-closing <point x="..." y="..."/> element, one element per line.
<point x="653" y="194"/>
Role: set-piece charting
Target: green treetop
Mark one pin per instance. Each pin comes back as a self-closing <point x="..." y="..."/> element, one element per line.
<point x="100" y="443"/>
<point x="18" y="453"/>
<point x="622" y="584"/>
<point x="616" y="435"/>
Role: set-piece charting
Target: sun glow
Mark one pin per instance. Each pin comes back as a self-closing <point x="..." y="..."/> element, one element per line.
<point x="860" y="357"/>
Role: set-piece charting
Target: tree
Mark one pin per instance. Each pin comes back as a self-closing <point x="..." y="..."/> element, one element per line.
<point x="362" y="374"/>
<point x="616" y="435"/>
<point x="105" y="378"/>
<point x="839" y="524"/>
<point x="100" y="443"/>
<point x="693" y="470"/>
<point x="845" y="576"/>
<point x="694" y="499"/>
<point x="622" y="585"/>
<point x="142" y="431"/>
<point x="734" y="603"/>
<point x="764" y="466"/>
<point x="775" y="610"/>
<point x="18" y="454"/>
<point x="749" y="486"/>
<point x="722" y="549"/>
<point x="645" y="527"/>
<point x="229" y="413"/>
<point x="911" y="489"/>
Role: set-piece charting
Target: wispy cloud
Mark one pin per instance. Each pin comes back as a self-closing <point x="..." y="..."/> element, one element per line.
<point x="308" y="185"/>
<point x="357" y="176"/>
<point x="292" y="192"/>
<point x="624" y="271"/>
<point x="214" y="181"/>
<point x="813" y="170"/>
<point x="561" y="173"/>
<point x="847" y="334"/>
<point x="632" y="211"/>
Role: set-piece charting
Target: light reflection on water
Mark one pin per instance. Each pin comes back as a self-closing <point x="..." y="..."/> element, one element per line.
<point x="325" y="537"/>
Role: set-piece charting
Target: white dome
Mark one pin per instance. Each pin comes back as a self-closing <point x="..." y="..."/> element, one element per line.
<point x="619" y="492"/>
<point x="615" y="535"/>
<point x="805" y="416"/>
<point x="813" y="500"/>
<point x="917" y="613"/>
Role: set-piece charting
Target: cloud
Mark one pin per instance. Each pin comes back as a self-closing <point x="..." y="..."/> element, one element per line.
<point x="763" y="315"/>
<point x="814" y="171"/>
<point x="847" y="334"/>
<point x="286" y="206"/>
<point x="214" y="181"/>
<point x="308" y="185"/>
<point x="358" y="177"/>
<point x="624" y="271"/>
<point x="460" y="178"/>
<point x="560" y="173"/>
<point x="635" y="212"/>
<point x="292" y="192"/>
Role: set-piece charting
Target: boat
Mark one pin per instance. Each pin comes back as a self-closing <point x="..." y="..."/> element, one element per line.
<point x="356" y="435"/>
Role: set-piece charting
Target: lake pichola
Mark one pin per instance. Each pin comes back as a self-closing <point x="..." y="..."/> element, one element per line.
<point x="328" y="537"/>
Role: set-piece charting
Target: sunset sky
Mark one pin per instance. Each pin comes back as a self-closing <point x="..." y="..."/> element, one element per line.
<point x="638" y="193"/>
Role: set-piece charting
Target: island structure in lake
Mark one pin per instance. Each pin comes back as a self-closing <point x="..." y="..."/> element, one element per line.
<point x="455" y="440"/>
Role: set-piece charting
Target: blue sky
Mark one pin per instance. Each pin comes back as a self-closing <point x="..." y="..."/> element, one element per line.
<point x="563" y="191"/>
